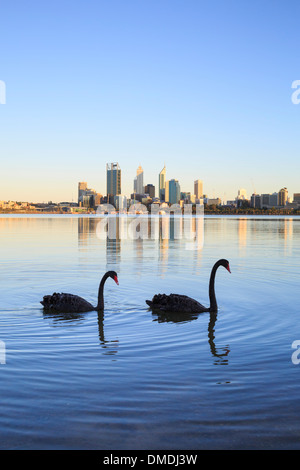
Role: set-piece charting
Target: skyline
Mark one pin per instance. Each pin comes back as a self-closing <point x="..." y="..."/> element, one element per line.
<point x="207" y="89"/>
<point x="198" y="186"/>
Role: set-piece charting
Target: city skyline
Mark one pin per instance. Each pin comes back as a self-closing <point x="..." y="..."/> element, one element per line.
<point x="169" y="191"/>
<point x="189" y="85"/>
<point x="114" y="186"/>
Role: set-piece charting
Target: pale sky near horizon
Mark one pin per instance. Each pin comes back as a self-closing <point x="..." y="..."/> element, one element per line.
<point x="204" y="87"/>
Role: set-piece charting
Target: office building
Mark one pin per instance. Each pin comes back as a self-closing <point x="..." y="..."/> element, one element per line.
<point x="297" y="198"/>
<point x="282" y="197"/>
<point x="113" y="180"/>
<point x="198" y="189"/>
<point x="138" y="184"/>
<point x="150" y="189"/>
<point x="162" y="183"/>
<point x="88" y="197"/>
<point x="265" y="200"/>
<point x="274" y="200"/>
<point x="172" y="191"/>
<point x="256" y="201"/>
<point x="82" y="188"/>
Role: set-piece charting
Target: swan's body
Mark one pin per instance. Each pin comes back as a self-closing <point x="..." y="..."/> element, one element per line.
<point x="176" y="303"/>
<point x="69" y="303"/>
<point x="181" y="303"/>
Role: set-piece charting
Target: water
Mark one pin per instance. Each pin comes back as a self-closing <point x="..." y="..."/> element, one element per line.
<point x="129" y="379"/>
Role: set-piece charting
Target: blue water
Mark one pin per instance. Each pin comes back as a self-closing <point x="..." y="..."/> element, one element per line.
<point x="129" y="379"/>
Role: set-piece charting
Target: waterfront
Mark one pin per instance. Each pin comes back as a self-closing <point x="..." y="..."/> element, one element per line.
<point x="129" y="379"/>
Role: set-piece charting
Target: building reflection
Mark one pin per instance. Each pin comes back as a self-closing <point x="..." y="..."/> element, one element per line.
<point x="242" y="236"/>
<point x="163" y="231"/>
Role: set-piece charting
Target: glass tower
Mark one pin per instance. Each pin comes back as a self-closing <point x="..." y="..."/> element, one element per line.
<point x="113" y="179"/>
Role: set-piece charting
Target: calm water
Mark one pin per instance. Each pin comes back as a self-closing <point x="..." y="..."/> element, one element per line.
<point x="129" y="379"/>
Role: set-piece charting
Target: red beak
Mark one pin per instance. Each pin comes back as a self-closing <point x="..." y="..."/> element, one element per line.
<point x="228" y="268"/>
<point x="116" y="280"/>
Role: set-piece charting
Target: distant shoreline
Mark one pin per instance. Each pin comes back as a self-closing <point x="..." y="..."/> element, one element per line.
<point x="236" y="212"/>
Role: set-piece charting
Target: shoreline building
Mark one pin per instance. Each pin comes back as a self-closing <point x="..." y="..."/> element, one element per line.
<point x="87" y="197"/>
<point x="162" y="183"/>
<point x="172" y="194"/>
<point x="138" y="183"/>
<point x="283" y="197"/>
<point x="150" y="189"/>
<point x="82" y="188"/>
<point x="113" y="181"/>
<point x="198" y="189"/>
<point x="297" y="198"/>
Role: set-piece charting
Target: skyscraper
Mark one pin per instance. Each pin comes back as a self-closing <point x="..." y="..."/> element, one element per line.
<point x="161" y="183"/>
<point x="282" y="197"/>
<point x="82" y="187"/>
<point x="138" y="184"/>
<point x="172" y="191"/>
<point x="198" y="189"/>
<point x="113" y="179"/>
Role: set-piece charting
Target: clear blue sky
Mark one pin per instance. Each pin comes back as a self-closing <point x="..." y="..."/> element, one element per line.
<point x="203" y="86"/>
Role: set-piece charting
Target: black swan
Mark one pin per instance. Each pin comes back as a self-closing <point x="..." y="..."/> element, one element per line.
<point x="181" y="303"/>
<point x="69" y="303"/>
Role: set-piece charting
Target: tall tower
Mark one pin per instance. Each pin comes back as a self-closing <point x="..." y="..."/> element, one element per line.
<point x="113" y="179"/>
<point x="282" y="197"/>
<point x="161" y="183"/>
<point x="82" y="188"/>
<point x="138" y="185"/>
<point x="198" y="189"/>
<point x="172" y="191"/>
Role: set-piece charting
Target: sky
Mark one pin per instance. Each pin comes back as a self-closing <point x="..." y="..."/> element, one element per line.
<point x="202" y="87"/>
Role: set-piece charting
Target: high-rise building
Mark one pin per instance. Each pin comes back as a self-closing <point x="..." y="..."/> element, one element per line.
<point x="265" y="200"/>
<point x="150" y="189"/>
<point x="256" y="201"/>
<point x="297" y="198"/>
<point x="82" y="188"/>
<point x="198" y="189"/>
<point x="113" y="180"/>
<point x="172" y="194"/>
<point x="138" y="184"/>
<point x="274" y="199"/>
<point x="282" y="197"/>
<point x="162" y="183"/>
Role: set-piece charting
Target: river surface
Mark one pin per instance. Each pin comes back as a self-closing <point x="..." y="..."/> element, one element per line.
<point x="131" y="379"/>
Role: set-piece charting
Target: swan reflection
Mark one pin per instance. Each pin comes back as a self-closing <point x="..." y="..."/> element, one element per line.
<point x="57" y="319"/>
<point x="220" y="354"/>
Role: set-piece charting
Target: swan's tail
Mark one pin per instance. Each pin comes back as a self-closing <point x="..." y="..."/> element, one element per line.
<point x="149" y="302"/>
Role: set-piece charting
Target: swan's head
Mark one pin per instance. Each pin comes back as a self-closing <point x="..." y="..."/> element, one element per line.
<point x="225" y="263"/>
<point x="114" y="276"/>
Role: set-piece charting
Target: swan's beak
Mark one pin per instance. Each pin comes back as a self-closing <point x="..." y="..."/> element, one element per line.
<point x="116" y="280"/>
<point x="228" y="269"/>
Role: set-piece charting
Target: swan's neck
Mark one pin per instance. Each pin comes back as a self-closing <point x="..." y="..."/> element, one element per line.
<point x="100" y="305"/>
<point x="212" y="294"/>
